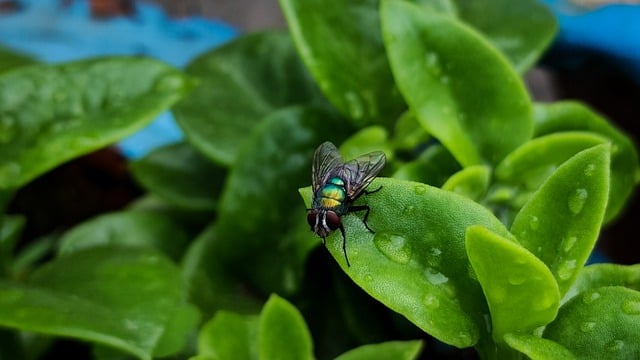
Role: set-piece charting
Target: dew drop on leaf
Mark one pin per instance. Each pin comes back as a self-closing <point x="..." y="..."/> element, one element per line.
<point x="588" y="171"/>
<point x="631" y="307"/>
<point x="568" y="243"/>
<point x="566" y="269"/>
<point x="587" y="326"/>
<point x="615" y="346"/>
<point x="435" y="277"/>
<point x="431" y="301"/>
<point x="590" y="297"/>
<point x="393" y="246"/>
<point x="420" y="189"/>
<point x="534" y="223"/>
<point x="577" y="200"/>
<point x="517" y="278"/>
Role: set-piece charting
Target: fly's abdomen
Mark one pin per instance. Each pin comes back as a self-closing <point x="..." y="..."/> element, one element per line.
<point x="332" y="195"/>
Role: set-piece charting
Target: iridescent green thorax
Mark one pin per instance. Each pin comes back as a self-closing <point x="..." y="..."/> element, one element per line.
<point x="332" y="195"/>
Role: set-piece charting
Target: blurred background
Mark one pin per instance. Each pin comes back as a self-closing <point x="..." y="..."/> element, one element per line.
<point x="595" y="58"/>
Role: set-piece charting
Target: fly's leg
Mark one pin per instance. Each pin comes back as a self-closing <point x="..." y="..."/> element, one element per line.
<point x="344" y="245"/>
<point x="366" y="215"/>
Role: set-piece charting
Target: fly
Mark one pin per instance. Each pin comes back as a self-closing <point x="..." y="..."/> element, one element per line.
<point x="336" y="185"/>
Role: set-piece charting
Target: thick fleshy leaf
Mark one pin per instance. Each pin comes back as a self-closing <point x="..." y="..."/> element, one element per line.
<point x="181" y="176"/>
<point x="10" y="230"/>
<point x="372" y="138"/>
<point x="260" y="217"/>
<point x="520" y="29"/>
<point x="599" y="275"/>
<point x="572" y="116"/>
<point x="416" y="262"/>
<point x="522" y="172"/>
<point x="352" y="68"/>
<point x="408" y="134"/>
<point x="520" y="290"/>
<point x="52" y="113"/>
<point x="283" y="333"/>
<point x="121" y="297"/>
<point x="537" y="348"/>
<point x="229" y="336"/>
<point x="429" y="56"/>
<point x="602" y="323"/>
<point x="397" y="350"/>
<point x="561" y="222"/>
<point x="10" y="60"/>
<point x="127" y="228"/>
<point x="239" y="84"/>
<point x="434" y="166"/>
<point x="472" y="182"/>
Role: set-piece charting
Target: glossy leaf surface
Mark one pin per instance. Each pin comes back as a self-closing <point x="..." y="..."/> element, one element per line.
<point x="537" y="348"/>
<point x="283" y="327"/>
<point x="561" y="222"/>
<point x="399" y="350"/>
<point x="599" y="275"/>
<point x="416" y="262"/>
<point x="429" y="56"/>
<point x="52" y="113"/>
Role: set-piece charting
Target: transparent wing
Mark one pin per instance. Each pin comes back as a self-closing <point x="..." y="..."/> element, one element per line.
<point x="359" y="172"/>
<point x="325" y="161"/>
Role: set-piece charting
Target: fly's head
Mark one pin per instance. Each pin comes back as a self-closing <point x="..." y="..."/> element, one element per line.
<point x="323" y="222"/>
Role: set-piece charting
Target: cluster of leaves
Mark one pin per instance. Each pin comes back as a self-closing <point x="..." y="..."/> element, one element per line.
<point x="489" y="208"/>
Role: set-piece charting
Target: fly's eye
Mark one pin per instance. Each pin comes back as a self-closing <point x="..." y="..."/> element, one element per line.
<point x="333" y="220"/>
<point x="311" y="218"/>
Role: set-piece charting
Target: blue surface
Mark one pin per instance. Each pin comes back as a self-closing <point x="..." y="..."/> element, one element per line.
<point x="53" y="33"/>
<point x="613" y="30"/>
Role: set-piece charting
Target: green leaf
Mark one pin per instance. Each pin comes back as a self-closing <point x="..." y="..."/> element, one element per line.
<point x="10" y="60"/>
<point x="241" y="83"/>
<point x="372" y="138"/>
<point x="52" y="113"/>
<point x="282" y="332"/>
<point x="120" y="297"/>
<point x="538" y="348"/>
<point x="434" y="166"/>
<point x="603" y="323"/>
<point x="522" y="30"/>
<point x="561" y="222"/>
<point x="260" y="217"/>
<point x="408" y="134"/>
<point x="10" y="231"/>
<point x="522" y="172"/>
<point x="398" y="350"/>
<point x="472" y="182"/>
<point x="127" y="228"/>
<point x="569" y="116"/>
<point x="229" y="336"/>
<point x="181" y="176"/>
<point x="416" y="263"/>
<point x="429" y="56"/>
<point x="352" y="68"/>
<point x="520" y="290"/>
<point x="599" y="275"/>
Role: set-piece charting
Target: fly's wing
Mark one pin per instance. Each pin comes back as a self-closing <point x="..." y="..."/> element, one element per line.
<point x="325" y="160"/>
<point x="359" y="172"/>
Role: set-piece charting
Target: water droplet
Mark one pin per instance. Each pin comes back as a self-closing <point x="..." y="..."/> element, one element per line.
<point x="534" y="223"/>
<point x="631" y="307"/>
<point x="498" y="294"/>
<point x="432" y="59"/>
<point x="169" y="82"/>
<point x="11" y="169"/>
<point x="568" y="243"/>
<point x="431" y="301"/>
<point x="517" y="279"/>
<point x="444" y="79"/>
<point x="587" y="326"/>
<point x="465" y="336"/>
<point x="409" y="210"/>
<point x="615" y="346"/>
<point x="368" y="278"/>
<point x="566" y="269"/>
<point x="577" y="200"/>
<point x="435" y="277"/>
<point x="420" y="189"/>
<point x="354" y="104"/>
<point x="394" y="247"/>
<point x="590" y="297"/>
<point x="588" y="171"/>
<point x="544" y="303"/>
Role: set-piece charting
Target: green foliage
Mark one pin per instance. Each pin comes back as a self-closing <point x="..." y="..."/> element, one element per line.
<point x="488" y="207"/>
